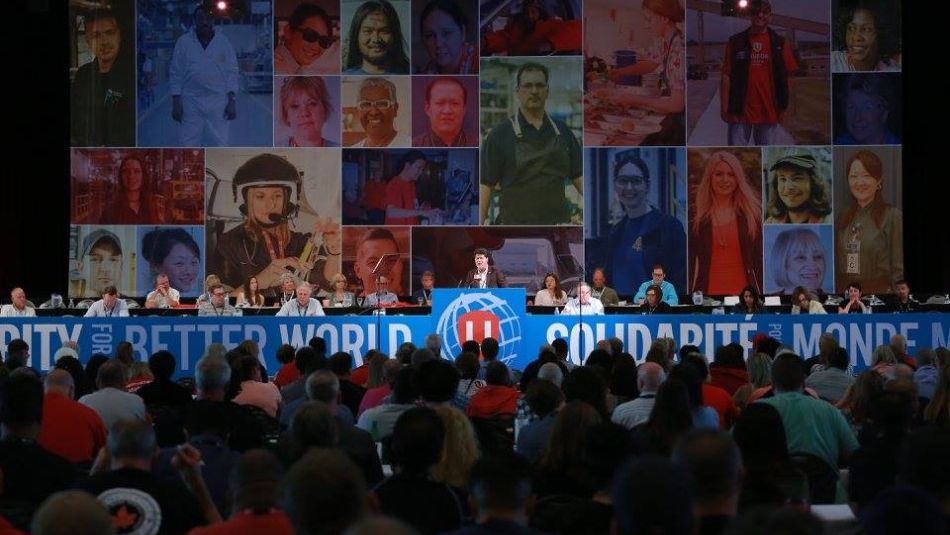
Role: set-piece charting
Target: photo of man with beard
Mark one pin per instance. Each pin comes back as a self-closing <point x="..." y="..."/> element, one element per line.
<point x="375" y="43"/>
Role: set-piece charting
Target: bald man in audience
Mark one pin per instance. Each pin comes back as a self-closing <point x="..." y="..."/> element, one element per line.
<point x="69" y="429"/>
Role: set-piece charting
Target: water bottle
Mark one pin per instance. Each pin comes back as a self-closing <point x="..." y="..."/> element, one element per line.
<point x="72" y="304"/>
<point x="557" y="311"/>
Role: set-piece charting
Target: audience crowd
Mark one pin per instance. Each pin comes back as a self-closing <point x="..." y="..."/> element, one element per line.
<point x="661" y="443"/>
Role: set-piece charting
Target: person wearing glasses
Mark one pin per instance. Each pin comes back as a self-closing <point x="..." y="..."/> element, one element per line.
<point x="308" y="46"/>
<point x="667" y="290"/>
<point x="305" y="107"/>
<point x="218" y="304"/>
<point x="303" y="305"/>
<point x="401" y="197"/>
<point x="644" y="237"/>
<point x="382" y="296"/>
<point x="529" y="159"/>
<point x="584" y="304"/>
<point x="378" y="108"/>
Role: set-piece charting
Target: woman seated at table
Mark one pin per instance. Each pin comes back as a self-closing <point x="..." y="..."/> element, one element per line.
<point x="250" y="294"/>
<point x="338" y="295"/>
<point x="551" y="295"/>
<point x="749" y="302"/>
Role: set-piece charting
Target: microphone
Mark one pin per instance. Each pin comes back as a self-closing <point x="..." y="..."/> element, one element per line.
<point x="277" y="218"/>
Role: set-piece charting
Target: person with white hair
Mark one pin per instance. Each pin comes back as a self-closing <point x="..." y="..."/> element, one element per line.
<point x="550" y="371"/>
<point x="433" y="343"/>
<point x="19" y="306"/>
<point x="584" y="303"/>
<point x="303" y="305"/>
<point x="650" y="376"/>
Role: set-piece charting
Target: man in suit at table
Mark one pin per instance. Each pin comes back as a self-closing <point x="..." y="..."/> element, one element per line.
<point x="484" y="275"/>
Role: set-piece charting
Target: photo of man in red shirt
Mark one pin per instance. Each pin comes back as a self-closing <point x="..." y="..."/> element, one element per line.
<point x="754" y="90"/>
<point x="401" y="192"/>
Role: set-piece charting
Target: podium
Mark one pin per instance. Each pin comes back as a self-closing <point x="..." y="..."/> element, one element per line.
<point x="462" y="314"/>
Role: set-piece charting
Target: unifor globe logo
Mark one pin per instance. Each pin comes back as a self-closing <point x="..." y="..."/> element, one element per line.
<point x="476" y="316"/>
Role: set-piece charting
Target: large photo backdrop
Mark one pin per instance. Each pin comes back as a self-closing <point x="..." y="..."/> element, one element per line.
<point x="734" y="146"/>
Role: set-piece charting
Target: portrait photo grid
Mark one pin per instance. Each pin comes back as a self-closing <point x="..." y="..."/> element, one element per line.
<point x="735" y="147"/>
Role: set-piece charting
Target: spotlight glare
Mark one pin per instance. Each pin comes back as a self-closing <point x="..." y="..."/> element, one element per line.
<point x="224" y="5"/>
<point x="742" y="4"/>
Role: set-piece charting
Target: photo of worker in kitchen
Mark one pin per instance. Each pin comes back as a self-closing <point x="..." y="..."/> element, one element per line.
<point x="634" y="73"/>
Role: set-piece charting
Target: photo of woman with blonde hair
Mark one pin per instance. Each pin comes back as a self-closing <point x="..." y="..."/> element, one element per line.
<point x="725" y="230"/>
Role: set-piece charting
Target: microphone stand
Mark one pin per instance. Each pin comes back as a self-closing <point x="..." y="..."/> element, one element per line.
<point x="379" y="305"/>
<point x="383" y="268"/>
<point x="580" y="314"/>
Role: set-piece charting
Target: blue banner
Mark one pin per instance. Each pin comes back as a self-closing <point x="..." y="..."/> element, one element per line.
<point x="459" y="315"/>
<point x="187" y="338"/>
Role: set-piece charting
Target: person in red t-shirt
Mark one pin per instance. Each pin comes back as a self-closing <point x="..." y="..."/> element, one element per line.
<point x="288" y="371"/>
<point x="755" y="86"/>
<point x="69" y="429"/>
<point x="374" y="195"/>
<point x="401" y="192"/>
<point x="498" y="397"/>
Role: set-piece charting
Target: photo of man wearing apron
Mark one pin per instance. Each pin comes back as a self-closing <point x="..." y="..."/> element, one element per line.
<point x="529" y="158"/>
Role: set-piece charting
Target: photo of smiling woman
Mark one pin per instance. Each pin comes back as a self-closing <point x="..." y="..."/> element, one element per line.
<point x="307" y="41"/>
<point x="634" y="210"/>
<point x="725" y="228"/>
<point x="445" y="43"/>
<point x="173" y="251"/>
<point x="867" y="36"/>
<point x="869" y="246"/>
<point x="798" y="256"/>
<point x="307" y="111"/>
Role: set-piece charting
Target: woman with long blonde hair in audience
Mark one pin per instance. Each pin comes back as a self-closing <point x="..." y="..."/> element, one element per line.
<point x="460" y="450"/>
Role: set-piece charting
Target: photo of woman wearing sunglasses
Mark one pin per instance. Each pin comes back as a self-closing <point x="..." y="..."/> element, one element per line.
<point x="307" y="44"/>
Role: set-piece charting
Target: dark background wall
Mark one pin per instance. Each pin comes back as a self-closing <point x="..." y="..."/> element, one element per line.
<point x="34" y="189"/>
